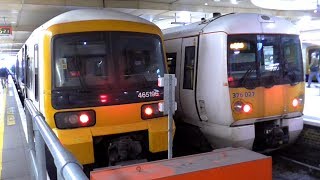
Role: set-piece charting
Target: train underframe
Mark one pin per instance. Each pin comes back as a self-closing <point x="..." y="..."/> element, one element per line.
<point x="260" y="136"/>
<point x="121" y="149"/>
<point x="115" y="149"/>
<point x="274" y="134"/>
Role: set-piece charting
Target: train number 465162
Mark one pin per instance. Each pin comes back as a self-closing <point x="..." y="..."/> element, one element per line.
<point x="245" y="94"/>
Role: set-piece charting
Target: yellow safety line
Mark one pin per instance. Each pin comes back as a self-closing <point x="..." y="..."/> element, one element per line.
<point x="2" y="113"/>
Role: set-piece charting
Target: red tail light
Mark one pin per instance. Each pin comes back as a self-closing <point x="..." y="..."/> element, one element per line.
<point x="84" y="118"/>
<point x="75" y="119"/>
<point x="103" y="98"/>
<point x="295" y="102"/>
<point x="149" y="111"/>
<point x="247" y="108"/>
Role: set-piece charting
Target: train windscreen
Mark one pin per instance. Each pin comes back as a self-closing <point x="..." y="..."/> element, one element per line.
<point x="264" y="60"/>
<point x="110" y="62"/>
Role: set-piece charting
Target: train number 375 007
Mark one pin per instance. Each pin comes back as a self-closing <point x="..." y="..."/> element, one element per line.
<point x="245" y="94"/>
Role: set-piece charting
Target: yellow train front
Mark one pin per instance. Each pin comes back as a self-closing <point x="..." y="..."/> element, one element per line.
<point x="93" y="74"/>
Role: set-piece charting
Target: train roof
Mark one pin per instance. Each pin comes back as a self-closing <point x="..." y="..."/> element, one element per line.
<point x="239" y="23"/>
<point x="93" y="14"/>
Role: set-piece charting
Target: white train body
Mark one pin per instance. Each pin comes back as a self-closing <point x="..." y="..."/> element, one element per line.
<point x="198" y="55"/>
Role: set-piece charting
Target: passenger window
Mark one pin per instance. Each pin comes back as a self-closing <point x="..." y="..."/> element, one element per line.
<point x="36" y="72"/>
<point x="171" y="61"/>
<point x="29" y="72"/>
<point x="189" y="67"/>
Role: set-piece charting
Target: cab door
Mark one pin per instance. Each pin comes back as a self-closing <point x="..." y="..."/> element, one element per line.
<point x="188" y="76"/>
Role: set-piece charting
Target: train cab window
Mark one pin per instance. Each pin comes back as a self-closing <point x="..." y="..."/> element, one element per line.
<point x="264" y="60"/>
<point x="108" y="60"/>
<point x="81" y="61"/>
<point x="189" y="61"/>
<point x="141" y="59"/>
<point x="171" y="61"/>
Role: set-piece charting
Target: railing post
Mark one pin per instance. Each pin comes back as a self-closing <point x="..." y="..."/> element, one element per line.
<point x="31" y="143"/>
<point x="169" y="106"/>
<point x="40" y="154"/>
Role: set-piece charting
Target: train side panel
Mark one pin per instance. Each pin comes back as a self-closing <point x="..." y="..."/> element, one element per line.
<point x="212" y="75"/>
<point x="173" y="54"/>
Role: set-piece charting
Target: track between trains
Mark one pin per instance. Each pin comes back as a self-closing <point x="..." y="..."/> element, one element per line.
<point x="296" y="162"/>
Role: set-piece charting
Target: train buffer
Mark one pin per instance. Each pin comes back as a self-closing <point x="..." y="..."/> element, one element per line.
<point x="226" y="163"/>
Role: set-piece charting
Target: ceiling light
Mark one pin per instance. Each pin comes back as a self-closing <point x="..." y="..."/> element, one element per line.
<point x="216" y="0"/>
<point x="206" y="4"/>
<point x="318" y="9"/>
<point x="285" y="4"/>
<point x="234" y="1"/>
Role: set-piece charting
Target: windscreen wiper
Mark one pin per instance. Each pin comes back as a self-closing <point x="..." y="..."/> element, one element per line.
<point x="246" y="78"/>
<point x="289" y="73"/>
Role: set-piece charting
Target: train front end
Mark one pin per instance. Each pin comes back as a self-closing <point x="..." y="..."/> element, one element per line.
<point x="101" y="94"/>
<point x="266" y="87"/>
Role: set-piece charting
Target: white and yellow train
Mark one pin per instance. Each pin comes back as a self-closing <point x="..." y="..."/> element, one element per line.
<point x="93" y="75"/>
<point x="240" y="79"/>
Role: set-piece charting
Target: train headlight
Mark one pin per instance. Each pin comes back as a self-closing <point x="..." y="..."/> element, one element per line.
<point x="295" y="102"/>
<point x="75" y="119"/>
<point x="237" y="106"/>
<point x="149" y="111"/>
<point x="240" y="107"/>
<point x="298" y="101"/>
<point x="247" y="108"/>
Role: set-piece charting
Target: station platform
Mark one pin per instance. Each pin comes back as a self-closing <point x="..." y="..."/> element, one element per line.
<point x="14" y="161"/>
<point x="312" y="103"/>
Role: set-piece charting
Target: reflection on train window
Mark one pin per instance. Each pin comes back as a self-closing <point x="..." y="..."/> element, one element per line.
<point x="264" y="60"/>
<point x="242" y="59"/>
<point x="189" y="61"/>
<point x="171" y="61"/>
<point x="108" y="60"/>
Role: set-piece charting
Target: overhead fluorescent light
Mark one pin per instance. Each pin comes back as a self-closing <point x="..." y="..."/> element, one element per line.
<point x="181" y="23"/>
<point x="234" y="1"/>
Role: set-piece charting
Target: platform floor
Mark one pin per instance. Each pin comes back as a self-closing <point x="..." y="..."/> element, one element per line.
<point x="14" y="162"/>
<point x="312" y="105"/>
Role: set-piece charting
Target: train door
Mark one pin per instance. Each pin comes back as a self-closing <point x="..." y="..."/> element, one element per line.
<point x="173" y="54"/>
<point x="188" y="76"/>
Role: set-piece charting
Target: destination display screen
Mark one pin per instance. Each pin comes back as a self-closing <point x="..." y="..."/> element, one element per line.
<point x="5" y="30"/>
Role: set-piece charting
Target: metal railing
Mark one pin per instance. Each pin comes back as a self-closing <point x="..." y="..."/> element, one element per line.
<point x="39" y="134"/>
